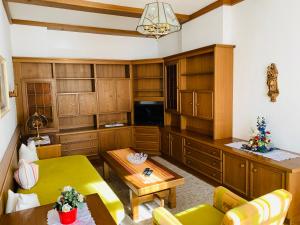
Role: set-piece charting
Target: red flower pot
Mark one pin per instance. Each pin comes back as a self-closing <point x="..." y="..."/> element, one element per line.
<point x="68" y="217"/>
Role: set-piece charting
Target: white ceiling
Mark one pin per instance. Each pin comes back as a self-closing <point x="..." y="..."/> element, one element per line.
<point x="179" y="6"/>
<point x="65" y="16"/>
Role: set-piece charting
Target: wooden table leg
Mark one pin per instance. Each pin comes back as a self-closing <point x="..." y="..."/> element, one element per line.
<point x="172" y="198"/>
<point x="134" y="202"/>
<point x="106" y="171"/>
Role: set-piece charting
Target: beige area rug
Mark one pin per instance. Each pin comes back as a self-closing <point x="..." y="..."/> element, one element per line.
<point x="192" y="193"/>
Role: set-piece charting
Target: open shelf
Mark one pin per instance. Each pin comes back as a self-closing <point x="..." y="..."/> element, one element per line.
<point x="74" y="78"/>
<point x="73" y="71"/>
<point x="197" y="73"/>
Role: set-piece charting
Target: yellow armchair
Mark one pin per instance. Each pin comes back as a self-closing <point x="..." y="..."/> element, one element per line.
<point x="230" y="209"/>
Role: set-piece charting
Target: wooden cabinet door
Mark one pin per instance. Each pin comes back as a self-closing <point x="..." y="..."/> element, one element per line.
<point x="176" y="147"/>
<point x="187" y="103"/>
<point x="87" y="103"/>
<point x="235" y="173"/>
<point x="67" y="105"/>
<point x="107" y="140"/>
<point x="123" y="95"/>
<point x="165" y="143"/>
<point x="265" y="179"/>
<point x="123" y="137"/>
<point x="107" y="98"/>
<point x="204" y="104"/>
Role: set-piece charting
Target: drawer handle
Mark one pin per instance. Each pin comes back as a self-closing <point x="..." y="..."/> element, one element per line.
<point x="242" y="165"/>
<point x="214" y="164"/>
<point x="214" y="174"/>
<point x="191" y="103"/>
<point x="188" y="152"/>
<point x="189" y="162"/>
<point x="214" y="153"/>
<point x="254" y="170"/>
<point x="188" y="143"/>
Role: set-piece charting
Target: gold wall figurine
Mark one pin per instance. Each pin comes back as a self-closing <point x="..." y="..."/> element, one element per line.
<point x="272" y="83"/>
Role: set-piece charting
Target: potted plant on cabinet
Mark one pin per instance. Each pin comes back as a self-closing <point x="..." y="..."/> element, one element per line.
<point x="67" y="204"/>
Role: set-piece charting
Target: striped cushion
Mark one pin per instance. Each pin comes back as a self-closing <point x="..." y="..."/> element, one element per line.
<point x="27" y="174"/>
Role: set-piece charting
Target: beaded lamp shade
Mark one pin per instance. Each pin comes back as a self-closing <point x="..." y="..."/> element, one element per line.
<point x="158" y="20"/>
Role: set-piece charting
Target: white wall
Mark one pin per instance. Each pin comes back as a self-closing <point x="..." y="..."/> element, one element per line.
<point x="40" y="42"/>
<point x="267" y="31"/>
<point x="8" y="123"/>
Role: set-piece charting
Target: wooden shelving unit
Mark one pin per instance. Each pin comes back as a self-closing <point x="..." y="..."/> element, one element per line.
<point x="199" y="91"/>
<point x="148" y="80"/>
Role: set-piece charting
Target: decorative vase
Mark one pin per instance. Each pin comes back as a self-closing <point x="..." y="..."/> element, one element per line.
<point x="68" y="217"/>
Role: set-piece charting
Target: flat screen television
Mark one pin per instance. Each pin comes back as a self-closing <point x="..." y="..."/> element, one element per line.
<point x="149" y="113"/>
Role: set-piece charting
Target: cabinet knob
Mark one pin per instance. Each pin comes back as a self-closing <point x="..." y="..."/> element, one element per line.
<point x="189" y="162"/>
<point x="242" y="165"/>
<point x="214" y="164"/>
<point x="188" y="152"/>
<point x="254" y="170"/>
<point x="214" y="174"/>
<point x="191" y="103"/>
<point x="214" y="153"/>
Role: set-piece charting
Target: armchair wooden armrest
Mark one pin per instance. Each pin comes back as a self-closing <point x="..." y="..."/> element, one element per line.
<point x="161" y="216"/>
<point x="49" y="151"/>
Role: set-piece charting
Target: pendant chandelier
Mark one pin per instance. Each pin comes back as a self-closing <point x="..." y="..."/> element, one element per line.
<point x="158" y="20"/>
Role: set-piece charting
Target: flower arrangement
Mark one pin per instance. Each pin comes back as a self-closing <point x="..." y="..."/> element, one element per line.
<point x="260" y="140"/>
<point x="67" y="204"/>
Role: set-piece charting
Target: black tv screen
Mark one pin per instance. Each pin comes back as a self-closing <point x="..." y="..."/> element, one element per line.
<point x="149" y="113"/>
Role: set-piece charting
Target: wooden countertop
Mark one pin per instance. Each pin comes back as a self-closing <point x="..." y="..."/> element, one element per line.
<point x="292" y="165"/>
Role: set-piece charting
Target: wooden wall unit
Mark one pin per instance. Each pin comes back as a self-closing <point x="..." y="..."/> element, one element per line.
<point x="244" y="173"/>
<point x="204" y="86"/>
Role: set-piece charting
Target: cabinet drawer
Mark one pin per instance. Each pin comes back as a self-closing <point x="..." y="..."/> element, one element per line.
<point x="150" y="138"/>
<point x="147" y="145"/>
<point x="205" y="159"/>
<point x="205" y="170"/>
<point x="147" y="130"/>
<point x="78" y="137"/>
<point x="80" y="145"/>
<point x="89" y="151"/>
<point x="216" y="153"/>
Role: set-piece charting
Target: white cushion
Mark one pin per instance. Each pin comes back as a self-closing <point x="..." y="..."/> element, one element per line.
<point x="17" y="202"/>
<point x="28" y="153"/>
<point x="27" y="175"/>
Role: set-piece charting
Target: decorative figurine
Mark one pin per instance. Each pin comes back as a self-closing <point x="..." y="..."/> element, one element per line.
<point x="272" y="75"/>
<point x="260" y="140"/>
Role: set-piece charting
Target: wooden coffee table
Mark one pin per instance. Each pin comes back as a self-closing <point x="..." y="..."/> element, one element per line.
<point x="38" y="215"/>
<point x="161" y="184"/>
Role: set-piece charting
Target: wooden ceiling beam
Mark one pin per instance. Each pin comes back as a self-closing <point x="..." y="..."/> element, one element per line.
<point x="76" y="28"/>
<point x="6" y="8"/>
<point x="95" y="7"/>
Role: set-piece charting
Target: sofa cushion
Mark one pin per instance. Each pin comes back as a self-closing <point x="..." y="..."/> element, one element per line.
<point x="79" y="173"/>
<point x="201" y="215"/>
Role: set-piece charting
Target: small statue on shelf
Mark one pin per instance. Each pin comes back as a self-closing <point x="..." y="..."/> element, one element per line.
<point x="260" y="140"/>
<point x="272" y="75"/>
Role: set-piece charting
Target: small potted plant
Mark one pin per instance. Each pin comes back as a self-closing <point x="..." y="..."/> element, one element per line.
<point x="67" y="204"/>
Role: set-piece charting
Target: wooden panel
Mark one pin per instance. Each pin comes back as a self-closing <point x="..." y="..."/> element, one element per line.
<point x="176" y="142"/>
<point x="74" y="86"/>
<point x="96" y="7"/>
<point x="165" y="143"/>
<point x="123" y="95"/>
<point x="264" y="179"/>
<point x="147" y="130"/>
<point x="77" y="122"/>
<point x="200" y="82"/>
<point x="111" y="71"/>
<point x="200" y="126"/>
<point x="78" y="137"/>
<point x="123" y="137"/>
<point x="204" y="104"/>
<point x="87" y="152"/>
<point x="36" y="70"/>
<point x="80" y="145"/>
<point x="87" y="103"/>
<point x="203" y="169"/>
<point x="203" y="158"/>
<point x="73" y="70"/>
<point x="107" y="140"/>
<point x="146" y="137"/>
<point x="235" y="173"/>
<point x="107" y="98"/>
<point x="206" y="149"/>
<point x="200" y="64"/>
<point x="147" y="146"/>
<point x="78" y="28"/>
<point x="49" y="151"/>
<point x="187" y="103"/>
<point x="67" y="105"/>
<point x="8" y="165"/>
